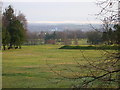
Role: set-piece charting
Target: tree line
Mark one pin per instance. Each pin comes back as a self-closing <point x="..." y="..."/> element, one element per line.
<point x="67" y="37"/>
<point x="112" y="36"/>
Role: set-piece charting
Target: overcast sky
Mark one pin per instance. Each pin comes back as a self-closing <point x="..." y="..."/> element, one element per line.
<point x="51" y="0"/>
<point x="42" y="11"/>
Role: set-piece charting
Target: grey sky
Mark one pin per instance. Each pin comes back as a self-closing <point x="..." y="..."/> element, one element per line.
<point x="57" y="12"/>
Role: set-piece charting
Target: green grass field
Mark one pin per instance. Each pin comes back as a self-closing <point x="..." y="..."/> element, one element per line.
<point x="44" y="66"/>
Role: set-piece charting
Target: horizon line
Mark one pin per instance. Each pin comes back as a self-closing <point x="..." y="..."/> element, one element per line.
<point x="63" y="22"/>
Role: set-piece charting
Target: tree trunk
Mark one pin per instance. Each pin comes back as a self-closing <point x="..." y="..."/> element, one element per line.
<point x="20" y="47"/>
<point x="4" y="47"/>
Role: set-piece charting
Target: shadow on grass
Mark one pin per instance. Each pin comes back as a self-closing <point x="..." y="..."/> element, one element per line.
<point x="16" y="74"/>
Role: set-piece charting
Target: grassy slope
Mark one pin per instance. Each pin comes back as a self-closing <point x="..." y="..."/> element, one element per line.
<point x="30" y="66"/>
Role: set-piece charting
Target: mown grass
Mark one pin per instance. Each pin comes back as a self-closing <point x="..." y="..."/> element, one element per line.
<point x="43" y="66"/>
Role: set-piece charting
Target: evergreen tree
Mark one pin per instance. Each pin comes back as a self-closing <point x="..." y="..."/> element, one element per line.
<point x="117" y="34"/>
<point x="17" y="33"/>
<point x="5" y="37"/>
<point x="13" y="29"/>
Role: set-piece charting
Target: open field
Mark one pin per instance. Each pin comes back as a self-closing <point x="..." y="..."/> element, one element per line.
<point x="44" y="66"/>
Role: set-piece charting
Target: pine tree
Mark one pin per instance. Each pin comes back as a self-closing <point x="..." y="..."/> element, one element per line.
<point x="13" y="29"/>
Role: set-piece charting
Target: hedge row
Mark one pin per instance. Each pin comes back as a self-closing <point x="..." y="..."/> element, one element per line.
<point x="90" y="47"/>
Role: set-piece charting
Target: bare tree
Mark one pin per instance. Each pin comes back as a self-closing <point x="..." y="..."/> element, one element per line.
<point x="104" y="70"/>
<point x="0" y="24"/>
<point x="21" y="17"/>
